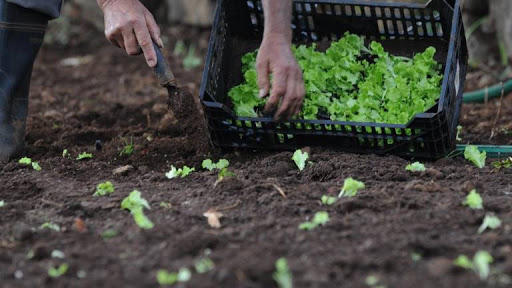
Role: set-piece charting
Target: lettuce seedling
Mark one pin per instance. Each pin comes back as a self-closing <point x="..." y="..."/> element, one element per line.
<point x="350" y="188"/>
<point x="491" y="222"/>
<point x="51" y="226"/>
<point x="136" y="204"/>
<point x="128" y="148"/>
<point x="320" y="218"/>
<point x="164" y="278"/>
<point x="283" y="275"/>
<point x="459" y="131"/>
<point x="59" y="271"/>
<point x="224" y="172"/>
<point x="473" y="200"/>
<point x="109" y="233"/>
<point x="182" y="172"/>
<point x="328" y="200"/>
<point x="504" y="164"/>
<point x="472" y="154"/>
<point x="84" y="155"/>
<point x="65" y="153"/>
<point x="27" y="161"/>
<point x="204" y="265"/>
<point x="300" y="159"/>
<point x="481" y="263"/>
<point x="210" y="166"/>
<point x="104" y="189"/>
<point x="415" y="167"/>
<point x="191" y="60"/>
<point x="2" y="203"/>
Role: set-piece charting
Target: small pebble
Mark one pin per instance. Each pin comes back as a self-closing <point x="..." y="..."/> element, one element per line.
<point x="98" y="145"/>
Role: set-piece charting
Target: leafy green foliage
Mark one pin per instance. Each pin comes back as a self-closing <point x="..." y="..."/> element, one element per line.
<point x="2" y="203"/>
<point x="84" y="155"/>
<point x="350" y="188"/>
<point x="36" y="166"/>
<point x="204" y="265"/>
<point x="491" y="222"/>
<point x="374" y="282"/>
<point x="136" y="204"/>
<point x="283" y="275"/>
<point x="300" y="159"/>
<point x="472" y="154"/>
<point x="104" y="189"/>
<point x="415" y="167"/>
<point x="345" y="86"/>
<point x="223" y="173"/>
<point x="504" y="164"/>
<point x="459" y="131"/>
<point x="182" y="172"/>
<point x="51" y="226"/>
<point x="59" y="271"/>
<point x="480" y="264"/>
<point x="191" y="60"/>
<point x="65" y="153"/>
<point x="328" y="200"/>
<point x="209" y="165"/>
<point x="109" y="233"/>
<point x="128" y="148"/>
<point x="320" y="218"/>
<point x="166" y="278"/>
<point x="474" y="200"/>
<point x="27" y="161"/>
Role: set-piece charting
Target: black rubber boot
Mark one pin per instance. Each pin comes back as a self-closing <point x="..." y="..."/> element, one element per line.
<point x="21" y="35"/>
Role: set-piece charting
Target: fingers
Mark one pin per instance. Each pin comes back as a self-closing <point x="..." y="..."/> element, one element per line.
<point x="153" y="28"/>
<point x="290" y="100"/>
<point x="145" y="41"/>
<point x="278" y="91"/>
<point x="130" y="42"/>
<point x="263" y="74"/>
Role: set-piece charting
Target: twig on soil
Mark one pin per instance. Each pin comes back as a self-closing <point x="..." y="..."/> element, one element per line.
<point x="499" y="111"/>
<point x="225" y="208"/>
<point x="281" y="191"/>
<point x="49" y="202"/>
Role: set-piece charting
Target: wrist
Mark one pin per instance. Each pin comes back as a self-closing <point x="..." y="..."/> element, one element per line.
<point x="279" y="37"/>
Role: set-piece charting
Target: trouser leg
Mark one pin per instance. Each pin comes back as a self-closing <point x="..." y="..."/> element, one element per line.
<point x="21" y="35"/>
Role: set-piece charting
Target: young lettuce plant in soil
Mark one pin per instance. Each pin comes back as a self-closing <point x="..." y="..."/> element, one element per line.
<point x="351" y="187"/>
<point x="472" y="154"/>
<point x="473" y="200"/>
<point x="415" y="167"/>
<point x="27" y="161"/>
<point x="56" y="272"/>
<point x="504" y="164"/>
<point x="283" y="275"/>
<point x="321" y="218"/>
<point x="222" y="165"/>
<point x="352" y="82"/>
<point x="104" y="189"/>
<point x="84" y="156"/>
<point x="300" y="159"/>
<point x="490" y="222"/>
<point x="182" y="172"/>
<point x="481" y="263"/>
<point x="166" y="278"/>
<point x="328" y="200"/>
<point x="136" y="204"/>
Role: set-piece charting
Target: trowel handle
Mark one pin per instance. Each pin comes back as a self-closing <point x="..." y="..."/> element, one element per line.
<point x="162" y="69"/>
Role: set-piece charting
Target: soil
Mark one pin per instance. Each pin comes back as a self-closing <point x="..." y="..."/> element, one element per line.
<point x="114" y="100"/>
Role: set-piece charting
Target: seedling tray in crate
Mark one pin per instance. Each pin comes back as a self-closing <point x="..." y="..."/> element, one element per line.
<point x="403" y="28"/>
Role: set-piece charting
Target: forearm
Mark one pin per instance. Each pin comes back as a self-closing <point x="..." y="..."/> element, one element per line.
<point x="278" y="17"/>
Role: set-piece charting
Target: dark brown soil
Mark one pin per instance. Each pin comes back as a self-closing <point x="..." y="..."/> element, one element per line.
<point x="115" y="98"/>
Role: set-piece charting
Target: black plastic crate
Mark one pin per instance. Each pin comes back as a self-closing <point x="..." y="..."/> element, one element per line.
<point x="403" y="28"/>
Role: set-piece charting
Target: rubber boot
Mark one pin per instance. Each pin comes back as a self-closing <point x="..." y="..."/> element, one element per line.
<point x="21" y="35"/>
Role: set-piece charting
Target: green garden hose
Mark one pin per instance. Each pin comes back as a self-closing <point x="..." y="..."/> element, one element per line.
<point x="493" y="151"/>
<point x="482" y="95"/>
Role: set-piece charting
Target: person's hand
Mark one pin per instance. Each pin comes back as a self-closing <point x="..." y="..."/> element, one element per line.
<point x="276" y="57"/>
<point x="129" y="25"/>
